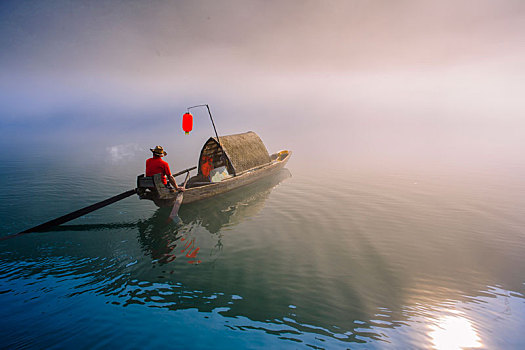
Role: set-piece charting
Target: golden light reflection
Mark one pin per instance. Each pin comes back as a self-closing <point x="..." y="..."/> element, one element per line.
<point x="454" y="332"/>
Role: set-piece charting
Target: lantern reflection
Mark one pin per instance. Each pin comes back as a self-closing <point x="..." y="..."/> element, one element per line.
<point x="454" y="332"/>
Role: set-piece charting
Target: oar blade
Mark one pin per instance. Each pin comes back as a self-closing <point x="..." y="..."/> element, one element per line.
<point x="73" y="215"/>
<point x="176" y="205"/>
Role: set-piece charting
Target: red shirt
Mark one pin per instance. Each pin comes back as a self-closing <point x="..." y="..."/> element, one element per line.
<point x="156" y="165"/>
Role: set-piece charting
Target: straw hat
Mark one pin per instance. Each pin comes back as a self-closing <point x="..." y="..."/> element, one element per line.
<point x="158" y="151"/>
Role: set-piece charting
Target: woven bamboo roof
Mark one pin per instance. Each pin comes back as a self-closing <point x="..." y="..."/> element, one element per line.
<point x="241" y="152"/>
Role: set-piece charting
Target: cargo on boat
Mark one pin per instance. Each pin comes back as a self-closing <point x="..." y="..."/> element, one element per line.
<point x="225" y="163"/>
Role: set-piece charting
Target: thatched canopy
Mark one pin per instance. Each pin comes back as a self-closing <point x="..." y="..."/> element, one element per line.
<point x="240" y="152"/>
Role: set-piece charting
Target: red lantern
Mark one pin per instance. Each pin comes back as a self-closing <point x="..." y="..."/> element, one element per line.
<point x="187" y="122"/>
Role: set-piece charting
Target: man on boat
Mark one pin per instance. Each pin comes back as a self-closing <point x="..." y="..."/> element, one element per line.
<point x="156" y="165"/>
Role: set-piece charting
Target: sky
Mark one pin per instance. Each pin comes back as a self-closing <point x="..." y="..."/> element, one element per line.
<point x="325" y="78"/>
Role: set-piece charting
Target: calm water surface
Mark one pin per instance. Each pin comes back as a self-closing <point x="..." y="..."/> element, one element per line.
<point x="364" y="258"/>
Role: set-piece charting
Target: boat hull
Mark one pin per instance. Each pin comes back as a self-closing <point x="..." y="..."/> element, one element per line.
<point x="194" y="194"/>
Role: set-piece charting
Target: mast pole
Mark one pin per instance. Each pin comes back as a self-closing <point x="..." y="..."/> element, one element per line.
<point x="211" y="118"/>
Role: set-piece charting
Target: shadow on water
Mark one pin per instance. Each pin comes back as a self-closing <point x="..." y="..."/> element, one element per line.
<point x="158" y="235"/>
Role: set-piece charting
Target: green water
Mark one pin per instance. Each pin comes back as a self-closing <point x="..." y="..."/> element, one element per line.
<point x="372" y="257"/>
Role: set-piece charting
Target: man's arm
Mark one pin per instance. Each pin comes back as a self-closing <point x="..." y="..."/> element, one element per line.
<point x="171" y="179"/>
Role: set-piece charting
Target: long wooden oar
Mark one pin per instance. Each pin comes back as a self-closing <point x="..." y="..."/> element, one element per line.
<point x="178" y="200"/>
<point x="68" y="217"/>
<point x="184" y="171"/>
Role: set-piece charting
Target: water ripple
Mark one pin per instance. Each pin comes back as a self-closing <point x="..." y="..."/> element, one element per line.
<point x="344" y="261"/>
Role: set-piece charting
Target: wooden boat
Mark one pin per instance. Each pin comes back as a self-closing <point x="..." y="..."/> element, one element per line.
<point x="244" y="156"/>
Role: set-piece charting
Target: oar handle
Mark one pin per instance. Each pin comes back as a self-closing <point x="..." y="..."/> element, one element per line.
<point x="184" y="171"/>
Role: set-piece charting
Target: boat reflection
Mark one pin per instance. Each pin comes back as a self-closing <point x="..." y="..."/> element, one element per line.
<point x="233" y="207"/>
<point x="165" y="240"/>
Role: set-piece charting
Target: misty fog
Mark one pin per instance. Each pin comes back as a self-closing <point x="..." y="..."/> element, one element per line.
<point x="354" y="80"/>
